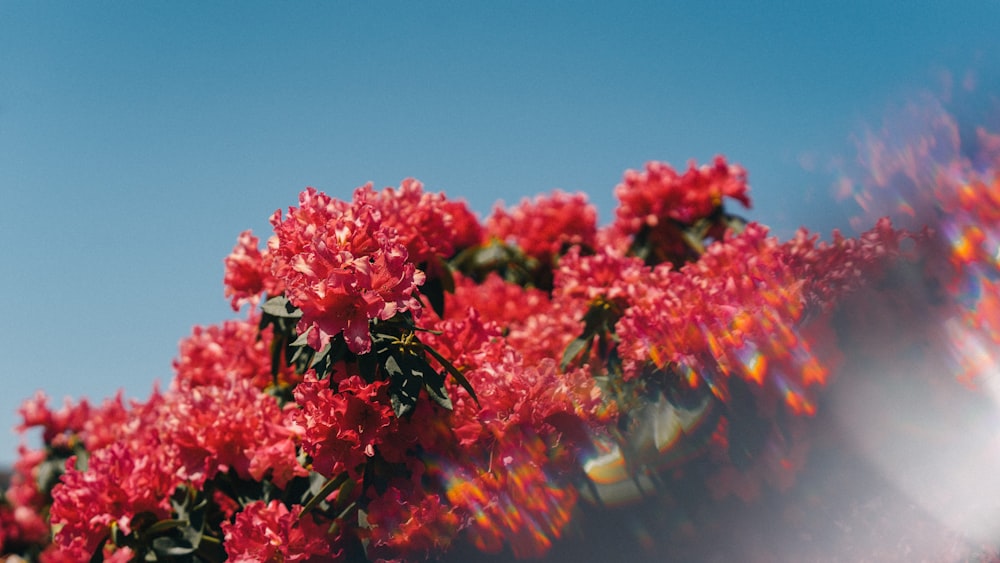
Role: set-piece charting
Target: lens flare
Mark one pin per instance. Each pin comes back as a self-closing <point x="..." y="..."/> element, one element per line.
<point x="663" y="433"/>
<point x="510" y="499"/>
<point x="925" y="407"/>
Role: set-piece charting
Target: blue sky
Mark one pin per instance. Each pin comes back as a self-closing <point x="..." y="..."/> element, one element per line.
<point x="138" y="139"/>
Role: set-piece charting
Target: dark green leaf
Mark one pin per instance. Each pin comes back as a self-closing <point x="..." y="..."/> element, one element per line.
<point x="433" y="290"/>
<point x="447" y="277"/>
<point x="390" y="366"/>
<point x="98" y="556"/>
<point x="164" y="526"/>
<point x="302" y="354"/>
<point x="490" y="255"/>
<point x="324" y="491"/>
<point x="344" y="493"/>
<point x="181" y="501"/>
<point x="436" y="390"/>
<point x="168" y="547"/>
<point x="451" y="369"/>
<point x="321" y="362"/>
<point x="734" y="222"/>
<point x="116" y="535"/>
<point x="694" y="242"/>
<point x="404" y="387"/>
<point x="368" y="366"/>
<point x="48" y="473"/>
<point x="277" y="355"/>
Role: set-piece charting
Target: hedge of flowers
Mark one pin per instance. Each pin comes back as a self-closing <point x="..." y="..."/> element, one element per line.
<point x="404" y="376"/>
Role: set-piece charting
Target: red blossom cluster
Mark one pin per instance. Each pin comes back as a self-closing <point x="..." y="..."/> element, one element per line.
<point x="659" y="193"/>
<point x="408" y="377"/>
<point x="342" y="266"/>
<point x="273" y="532"/>
<point x="548" y="226"/>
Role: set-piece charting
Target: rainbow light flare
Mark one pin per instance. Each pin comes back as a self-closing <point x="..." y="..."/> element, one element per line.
<point x="510" y="499"/>
<point x="926" y="412"/>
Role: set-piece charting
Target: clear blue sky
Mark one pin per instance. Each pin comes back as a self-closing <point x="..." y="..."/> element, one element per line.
<point x="137" y="139"/>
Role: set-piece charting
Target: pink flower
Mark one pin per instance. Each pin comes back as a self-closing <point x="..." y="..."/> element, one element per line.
<point x="410" y="523"/>
<point x="248" y="273"/>
<point x="536" y="326"/>
<point x="343" y="267"/>
<point x="739" y="309"/>
<point x="59" y="428"/>
<point x="223" y="354"/>
<point x="428" y="224"/>
<point x="735" y="311"/>
<point x="23" y="506"/>
<point x="606" y="275"/>
<point x="342" y="428"/>
<point x="659" y="193"/>
<point x="512" y="390"/>
<point x="547" y="226"/>
<point x="271" y="533"/>
<point x="74" y="423"/>
<point x="213" y="429"/>
<point x="117" y="485"/>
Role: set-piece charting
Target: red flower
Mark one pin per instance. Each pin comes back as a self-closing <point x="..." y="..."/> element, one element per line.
<point x="118" y="484"/>
<point x="428" y="224"/>
<point x="74" y="423"/>
<point x="409" y="523"/>
<point x="213" y="429"/>
<point x="547" y="226"/>
<point x="248" y="273"/>
<point x="659" y="193"/>
<point x="223" y="354"/>
<point x="342" y="428"/>
<point x="23" y="505"/>
<point x="271" y="533"/>
<point x="343" y="267"/>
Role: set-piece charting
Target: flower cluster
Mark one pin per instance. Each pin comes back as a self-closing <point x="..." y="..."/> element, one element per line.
<point x="548" y="226"/>
<point x="408" y="378"/>
<point x="342" y="266"/>
<point x="660" y="194"/>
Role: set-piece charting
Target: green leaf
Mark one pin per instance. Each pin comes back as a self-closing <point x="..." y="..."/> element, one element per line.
<point x="281" y="307"/>
<point x="164" y="526"/>
<point x="168" y="547"/>
<point x="324" y="491"/>
<point x="405" y="382"/>
<point x="436" y="389"/>
<point x="48" y="473"/>
<point x="447" y="277"/>
<point x="368" y="366"/>
<point x="694" y="242"/>
<point x="303" y="339"/>
<point x="573" y="350"/>
<point x="451" y="369"/>
<point x="320" y="362"/>
<point x="734" y="222"/>
<point x="433" y="290"/>
<point x="117" y="537"/>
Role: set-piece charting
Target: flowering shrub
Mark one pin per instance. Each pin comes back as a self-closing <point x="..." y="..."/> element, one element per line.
<point x="407" y="378"/>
